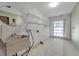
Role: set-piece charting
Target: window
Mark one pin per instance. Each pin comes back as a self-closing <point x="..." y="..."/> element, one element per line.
<point x="58" y="28"/>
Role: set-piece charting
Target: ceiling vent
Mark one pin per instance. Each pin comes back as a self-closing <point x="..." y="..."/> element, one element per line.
<point x="8" y="6"/>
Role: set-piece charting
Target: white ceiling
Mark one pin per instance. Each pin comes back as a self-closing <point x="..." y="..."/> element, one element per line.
<point x="41" y="9"/>
<point x="62" y="8"/>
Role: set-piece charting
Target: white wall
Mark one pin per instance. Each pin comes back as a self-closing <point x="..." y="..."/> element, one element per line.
<point x="43" y="32"/>
<point x="75" y="24"/>
<point x="66" y="19"/>
<point x="7" y="31"/>
<point x="20" y="30"/>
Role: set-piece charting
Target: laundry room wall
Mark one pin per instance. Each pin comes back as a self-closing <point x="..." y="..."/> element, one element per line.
<point x="75" y="24"/>
<point x="43" y="33"/>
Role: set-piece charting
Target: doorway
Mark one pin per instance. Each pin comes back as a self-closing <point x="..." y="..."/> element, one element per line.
<point x="4" y="19"/>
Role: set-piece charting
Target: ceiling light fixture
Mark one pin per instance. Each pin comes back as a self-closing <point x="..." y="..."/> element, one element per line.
<point x="53" y="4"/>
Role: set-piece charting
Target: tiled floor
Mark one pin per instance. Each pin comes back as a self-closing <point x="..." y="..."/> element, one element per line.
<point x="55" y="47"/>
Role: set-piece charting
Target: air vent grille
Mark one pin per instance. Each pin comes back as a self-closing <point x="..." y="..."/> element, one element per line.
<point x="8" y="6"/>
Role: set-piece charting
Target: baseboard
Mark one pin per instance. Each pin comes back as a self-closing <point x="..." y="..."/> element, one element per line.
<point x="59" y="37"/>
